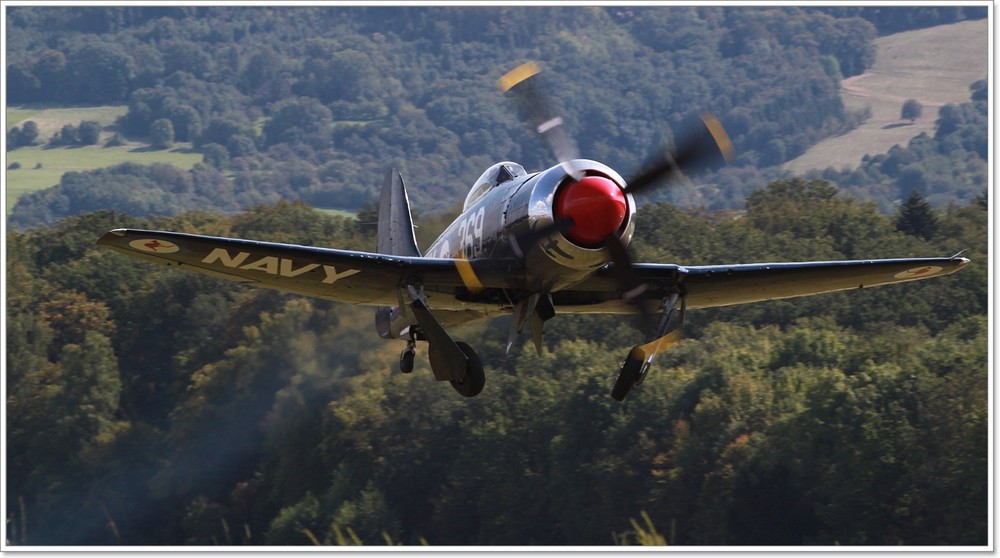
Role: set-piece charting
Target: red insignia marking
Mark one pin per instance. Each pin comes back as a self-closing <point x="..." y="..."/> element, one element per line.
<point x="918" y="272"/>
<point x="154" y="245"/>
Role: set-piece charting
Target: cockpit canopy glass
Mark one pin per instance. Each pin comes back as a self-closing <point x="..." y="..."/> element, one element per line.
<point x="497" y="174"/>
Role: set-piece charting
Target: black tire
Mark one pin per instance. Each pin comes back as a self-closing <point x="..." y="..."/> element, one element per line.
<point x="406" y="361"/>
<point x="475" y="378"/>
<point x="628" y="377"/>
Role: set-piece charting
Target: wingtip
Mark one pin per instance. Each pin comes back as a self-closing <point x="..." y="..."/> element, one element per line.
<point x="110" y="236"/>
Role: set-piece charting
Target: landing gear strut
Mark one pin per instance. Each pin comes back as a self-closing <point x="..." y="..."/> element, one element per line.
<point x="636" y="366"/>
<point x="406" y="357"/>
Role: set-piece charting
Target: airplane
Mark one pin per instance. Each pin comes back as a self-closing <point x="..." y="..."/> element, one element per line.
<point x="529" y="245"/>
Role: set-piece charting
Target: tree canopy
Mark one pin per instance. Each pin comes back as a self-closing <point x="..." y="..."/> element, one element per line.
<point x="321" y="100"/>
<point x="180" y="409"/>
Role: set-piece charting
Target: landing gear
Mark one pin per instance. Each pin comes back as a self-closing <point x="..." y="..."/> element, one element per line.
<point x="475" y="379"/>
<point x="453" y="361"/>
<point x="640" y="358"/>
<point x="406" y="357"/>
<point x="631" y="374"/>
<point x="472" y="380"/>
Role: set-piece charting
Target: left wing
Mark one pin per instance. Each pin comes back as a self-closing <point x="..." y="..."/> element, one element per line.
<point x="341" y="275"/>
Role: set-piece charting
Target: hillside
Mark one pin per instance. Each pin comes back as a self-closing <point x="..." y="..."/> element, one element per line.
<point x="935" y="66"/>
<point x="315" y="104"/>
<point x="274" y="91"/>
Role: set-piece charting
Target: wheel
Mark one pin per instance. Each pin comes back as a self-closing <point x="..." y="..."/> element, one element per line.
<point x="475" y="379"/>
<point x="406" y="360"/>
<point x="628" y="377"/>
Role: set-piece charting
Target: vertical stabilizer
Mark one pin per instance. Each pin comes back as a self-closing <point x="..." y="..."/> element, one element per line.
<point x="395" y="225"/>
<point x="395" y="237"/>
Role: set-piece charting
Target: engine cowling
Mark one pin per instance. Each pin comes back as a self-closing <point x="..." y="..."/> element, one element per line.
<point x="596" y="203"/>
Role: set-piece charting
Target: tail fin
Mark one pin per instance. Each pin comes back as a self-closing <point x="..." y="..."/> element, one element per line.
<point x="395" y="225"/>
<point x="395" y="237"/>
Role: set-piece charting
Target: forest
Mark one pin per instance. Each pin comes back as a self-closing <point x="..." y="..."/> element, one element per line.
<point x="148" y="406"/>
<point x="314" y="104"/>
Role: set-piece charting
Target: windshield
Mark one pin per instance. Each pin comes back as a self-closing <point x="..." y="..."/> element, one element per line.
<point x="497" y="174"/>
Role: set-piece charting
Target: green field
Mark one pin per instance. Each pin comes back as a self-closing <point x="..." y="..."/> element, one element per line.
<point x="55" y="162"/>
<point x="17" y="115"/>
<point x="42" y="167"/>
<point x="337" y="212"/>
<point x="51" y="119"/>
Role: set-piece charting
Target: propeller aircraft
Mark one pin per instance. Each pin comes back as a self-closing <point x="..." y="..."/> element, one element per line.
<point x="529" y="245"/>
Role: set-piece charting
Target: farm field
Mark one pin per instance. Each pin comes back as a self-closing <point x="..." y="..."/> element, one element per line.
<point x="57" y="161"/>
<point x="39" y="167"/>
<point x="935" y="66"/>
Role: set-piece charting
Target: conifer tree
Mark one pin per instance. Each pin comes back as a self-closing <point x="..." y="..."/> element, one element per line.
<point x="916" y="217"/>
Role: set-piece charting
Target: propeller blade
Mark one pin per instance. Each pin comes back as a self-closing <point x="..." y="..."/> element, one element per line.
<point x="632" y="289"/>
<point x="700" y="144"/>
<point x="535" y="109"/>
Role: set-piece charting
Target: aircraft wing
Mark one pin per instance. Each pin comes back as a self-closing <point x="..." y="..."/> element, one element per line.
<point x="723" y="285"/>
<point x="375" y="279"/>
<point x="341" y="275"/>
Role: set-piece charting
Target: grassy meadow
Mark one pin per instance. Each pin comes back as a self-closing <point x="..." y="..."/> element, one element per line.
<point x="935" y="66"/>
<point x="42" y="167"/>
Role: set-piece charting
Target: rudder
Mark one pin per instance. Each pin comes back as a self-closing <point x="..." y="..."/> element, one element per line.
<point x="395" y="237"/>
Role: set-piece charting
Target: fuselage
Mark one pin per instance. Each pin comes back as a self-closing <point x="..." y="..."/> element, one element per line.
<point x="507" y="207"/>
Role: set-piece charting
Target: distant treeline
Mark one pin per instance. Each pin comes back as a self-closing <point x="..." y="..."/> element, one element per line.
<point x="948" y="166"/>
<point x="945" y="167"/>
<point x="894" y="19"/>
<point x="150" y="406"/>
<point x="325" y="99"/>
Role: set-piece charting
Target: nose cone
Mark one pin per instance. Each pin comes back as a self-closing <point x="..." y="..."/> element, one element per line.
<point x="596" y="205"/>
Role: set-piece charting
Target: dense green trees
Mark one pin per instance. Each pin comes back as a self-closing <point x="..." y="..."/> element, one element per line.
<point x="22" y="136"/>
<point x="150" y="406"/>
<point x="335" y="95"/>
<point x="916" y="217"/>
<point x="893" y="19"/>
<point x="350" y="91"/>
<point x="180" y="409"/>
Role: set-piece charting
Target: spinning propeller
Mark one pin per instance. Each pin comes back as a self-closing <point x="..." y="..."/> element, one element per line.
<point x="589" y="210"/>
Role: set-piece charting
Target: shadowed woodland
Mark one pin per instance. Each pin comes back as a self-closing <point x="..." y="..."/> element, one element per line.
<point x="147" y="406"/>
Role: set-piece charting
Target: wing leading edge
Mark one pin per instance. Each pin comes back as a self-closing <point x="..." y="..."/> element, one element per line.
<point x="342" y="275"/>
<point x="724" y="285"/>
<point x="709" y="286"/>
